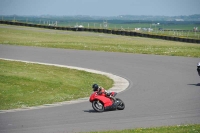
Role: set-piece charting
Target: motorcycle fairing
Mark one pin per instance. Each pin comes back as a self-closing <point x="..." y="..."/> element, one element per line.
<point x="105" y="100"/>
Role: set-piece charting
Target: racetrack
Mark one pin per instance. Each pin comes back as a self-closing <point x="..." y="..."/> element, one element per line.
<point x="163" y="90"/>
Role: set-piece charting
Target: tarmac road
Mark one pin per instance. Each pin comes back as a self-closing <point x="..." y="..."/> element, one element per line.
<point x="163" y="90"/>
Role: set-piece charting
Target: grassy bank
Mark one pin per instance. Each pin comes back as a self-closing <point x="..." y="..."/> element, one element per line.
<point x="27" y="84"/>
<point x="96" y="42"/>
<point x="170" y="129"/>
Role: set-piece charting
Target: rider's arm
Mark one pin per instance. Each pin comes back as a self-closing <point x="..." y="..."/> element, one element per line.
<point x="108" y="93"/>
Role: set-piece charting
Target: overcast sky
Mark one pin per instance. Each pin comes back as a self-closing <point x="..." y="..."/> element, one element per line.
<point x="100" y="7"/>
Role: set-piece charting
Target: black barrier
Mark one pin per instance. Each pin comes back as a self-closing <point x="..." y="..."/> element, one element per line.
<point x="114" y="32"/>
<point x="34" y="25"/>
<point x="127" y="33"/>
<point x="180" y="39"/>
<point x="95" y="30"/>
<point x="139" y="34"/>
<point x="189" y="40"/>
<point x="58" y="28"/>
<point x="171" y="38"/>
<point x="100" y="30"/>
<point x="184" y="39"/>
<point x="64" y="28"/>
<point x="44" y="26"/>
<point x="25" y="24"/>
<point x="155" y="36"/>
<point x="86" y="29"/>
<point x="11" y="23"/>
<point x="176" y="39"/>
<point x="198" y="41"/>
<point x="136" y="34"/>
<point x="83" y="29"/>
<point x="91" y="30"/>
<point x="193" y="40"/>
<point x="21" y="24"/>
<point x="109" y="31"/>
<point x="166" y="38"/>
<point x="132" y="33"/>
<point x="7" y="22"/>
<point x="118" y="32"/>
<point x="28" y="25"/>
<point x="74" y="29"/>
<point x="105" y="31"/>
<point x="145" y="35"/>
<point x="80" y="29"/>
<point x="150" y="36"/>
<point x="41" y="26"/>
<point x="68" y="28"/>
<point x="159" y="37"/>
<point x="52" y="27"/>
<point x="163" y="37"/>
<point x="122" y="33"/>
<point x="48" y="27"/>
<point x="16" y="23"/>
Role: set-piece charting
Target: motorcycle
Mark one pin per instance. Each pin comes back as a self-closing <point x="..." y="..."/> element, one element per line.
<point x="102" y="103"/>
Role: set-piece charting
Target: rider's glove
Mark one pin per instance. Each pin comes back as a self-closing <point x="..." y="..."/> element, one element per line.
<point x="108" y="93"/>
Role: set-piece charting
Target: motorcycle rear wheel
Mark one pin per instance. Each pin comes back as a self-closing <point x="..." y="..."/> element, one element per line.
<point x="98" y="106"/>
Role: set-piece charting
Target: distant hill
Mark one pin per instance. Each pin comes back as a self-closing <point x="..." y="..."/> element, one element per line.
<point x="195" y="17"/>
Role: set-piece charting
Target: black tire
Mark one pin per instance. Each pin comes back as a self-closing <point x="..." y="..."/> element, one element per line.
<point x="120" y="105"/>
<point x="98" y="106"/>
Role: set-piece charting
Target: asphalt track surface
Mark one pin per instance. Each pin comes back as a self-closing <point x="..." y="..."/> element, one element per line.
<point x="163" y="90"/>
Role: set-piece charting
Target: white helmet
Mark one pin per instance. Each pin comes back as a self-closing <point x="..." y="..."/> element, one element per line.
<point x="198" y="64"/>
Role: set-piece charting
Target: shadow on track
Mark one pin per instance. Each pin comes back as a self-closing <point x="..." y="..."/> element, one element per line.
<point x="90" y="111"/>
<point x="198" y="84"/>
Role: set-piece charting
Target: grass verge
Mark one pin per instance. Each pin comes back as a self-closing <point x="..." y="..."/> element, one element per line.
<point x="195" y="128"/>
<point x="95" y="41"/>
<point x="28" y="84"/>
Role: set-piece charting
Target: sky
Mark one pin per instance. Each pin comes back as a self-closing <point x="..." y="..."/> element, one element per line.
<point x="100" y="7"/>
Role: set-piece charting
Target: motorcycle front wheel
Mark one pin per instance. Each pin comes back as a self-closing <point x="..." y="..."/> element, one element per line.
<point x="98" y="106"/>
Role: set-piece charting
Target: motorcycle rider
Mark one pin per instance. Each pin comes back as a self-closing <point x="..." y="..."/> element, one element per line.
<point x="101" y="91"/>
<point x="198" y="68"/>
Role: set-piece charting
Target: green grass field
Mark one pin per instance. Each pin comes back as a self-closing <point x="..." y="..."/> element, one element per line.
<point x="96" y="42"/>
<point x="27" y="84"/>
<point x="168" y="129"/>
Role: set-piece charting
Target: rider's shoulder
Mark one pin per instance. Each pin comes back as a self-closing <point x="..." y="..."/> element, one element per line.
<point x="101" y="87"/>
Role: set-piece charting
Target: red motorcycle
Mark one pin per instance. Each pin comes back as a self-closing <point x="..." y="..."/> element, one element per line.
<point x="102" y="103"/>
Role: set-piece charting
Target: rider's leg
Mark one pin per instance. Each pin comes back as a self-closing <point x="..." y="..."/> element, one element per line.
<point x="198" y="70"/>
